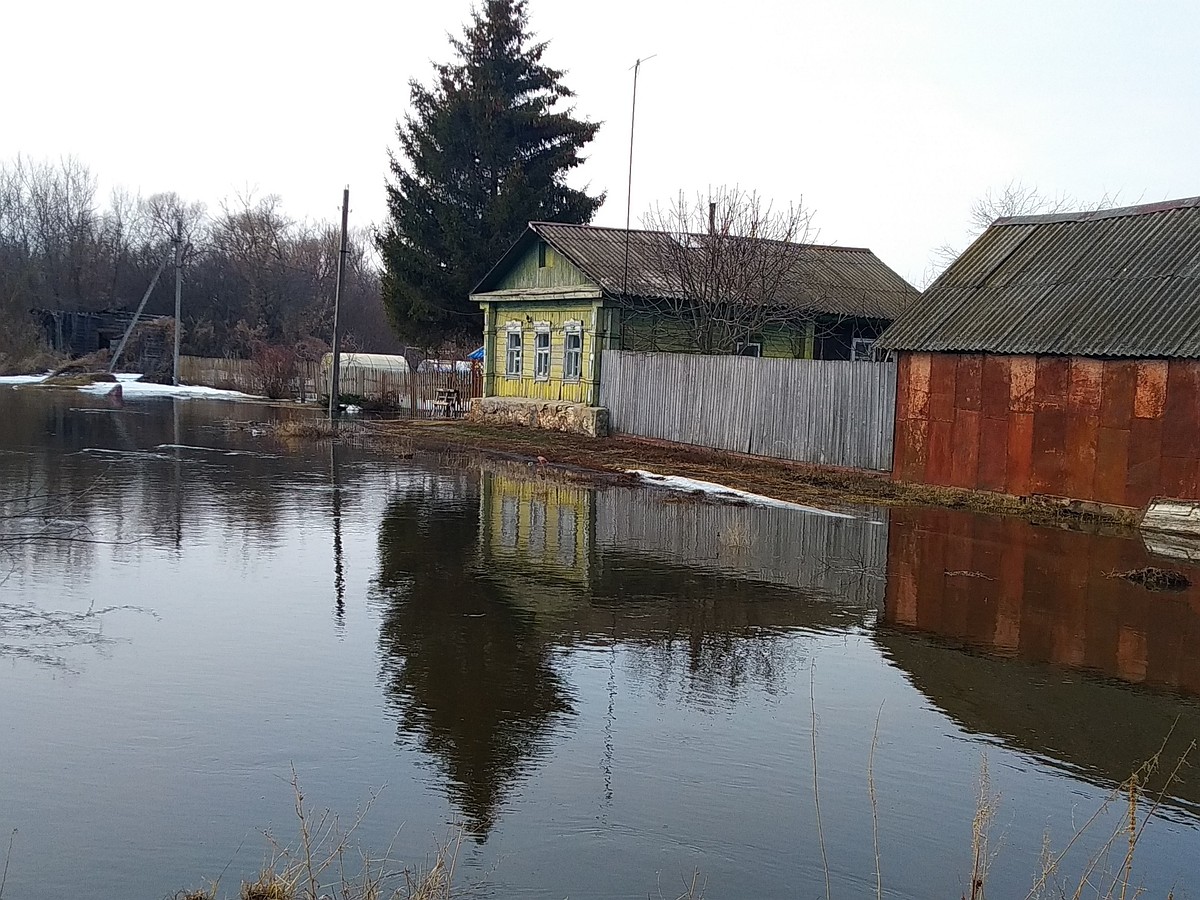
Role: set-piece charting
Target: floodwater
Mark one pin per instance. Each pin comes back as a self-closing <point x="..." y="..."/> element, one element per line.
<point x="607" y="689"/>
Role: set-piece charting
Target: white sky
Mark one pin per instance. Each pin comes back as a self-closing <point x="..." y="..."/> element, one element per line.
<point x="888" y="117"/>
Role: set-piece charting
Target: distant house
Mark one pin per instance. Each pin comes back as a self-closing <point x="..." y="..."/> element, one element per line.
<point x="1059" y="355"/>
<point x="565" y="293"/>
<point x="78" y="333"/>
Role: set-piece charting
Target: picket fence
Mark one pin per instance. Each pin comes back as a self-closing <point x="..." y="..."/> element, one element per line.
<point x="415" y="394"/>
<point x="826" y="412"/>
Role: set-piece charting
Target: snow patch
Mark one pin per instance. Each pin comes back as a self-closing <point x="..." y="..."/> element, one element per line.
<point x="132" y="387"/>
<point x="22" y="379"/>
<point x="720" y="491"/>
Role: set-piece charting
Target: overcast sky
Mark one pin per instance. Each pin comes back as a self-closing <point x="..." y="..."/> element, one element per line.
<point x="887" y="117"/>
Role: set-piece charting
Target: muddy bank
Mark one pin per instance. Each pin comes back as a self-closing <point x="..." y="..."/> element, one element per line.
<point x="792" y="482"/>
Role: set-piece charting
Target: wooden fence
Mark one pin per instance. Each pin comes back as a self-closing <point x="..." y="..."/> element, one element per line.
<point x="826" y="412"/>
<point x="421" y="395"/>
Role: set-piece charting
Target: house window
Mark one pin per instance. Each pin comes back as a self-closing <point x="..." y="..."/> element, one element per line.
<point x="748" y="348"/>
<point x="568" y="552"/>
<point x="510" y="521"/>
<point x="512" y="356"/>
<point x="573" y="353"/>
<point x="862" y="349"/>
<point x="537" y="528"/>
<point x="545" y="256"/>
<point x="541" y="354"/>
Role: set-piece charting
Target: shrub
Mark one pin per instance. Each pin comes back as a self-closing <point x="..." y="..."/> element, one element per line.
<point x="274" y="369"/>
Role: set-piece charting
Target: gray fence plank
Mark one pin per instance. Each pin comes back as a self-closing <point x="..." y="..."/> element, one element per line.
<point x="827" y="412"/>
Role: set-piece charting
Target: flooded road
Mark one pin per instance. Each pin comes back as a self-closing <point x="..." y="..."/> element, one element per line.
<point x="608" y="687"/>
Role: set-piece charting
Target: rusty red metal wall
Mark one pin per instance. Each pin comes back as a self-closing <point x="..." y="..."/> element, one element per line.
<point x="1112" y="431"/>
<point x="1041" y="594"/>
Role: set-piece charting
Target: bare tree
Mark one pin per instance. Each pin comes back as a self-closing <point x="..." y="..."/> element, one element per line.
<point x="1014" y="199"/>
<point x="724" y="268"/>
<point x="253" y="274"/>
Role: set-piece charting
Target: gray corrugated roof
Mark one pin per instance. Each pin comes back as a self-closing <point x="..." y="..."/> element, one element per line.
<point x="839" y="280"/>
<point x="1118" y="282"/>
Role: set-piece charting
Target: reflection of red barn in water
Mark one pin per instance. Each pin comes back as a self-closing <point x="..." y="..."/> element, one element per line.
<point x="1041" y="594"/>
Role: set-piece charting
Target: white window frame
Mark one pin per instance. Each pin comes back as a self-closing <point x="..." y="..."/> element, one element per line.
<point x="740" y="346"/>
<point x="541" y="355"/>
<point x="572" y="330"/>
<point x="867" y="353"/>
<point x="513" y="356"/>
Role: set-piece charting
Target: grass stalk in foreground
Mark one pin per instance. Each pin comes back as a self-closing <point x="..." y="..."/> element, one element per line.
<point x="315" y="866"/>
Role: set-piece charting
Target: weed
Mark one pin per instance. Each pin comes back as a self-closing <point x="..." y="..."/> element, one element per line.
<point x="736" y="535"/>
<point x="306" y="430"/>
<point x="1153" y="579"/>
<point x="314" y="866"/>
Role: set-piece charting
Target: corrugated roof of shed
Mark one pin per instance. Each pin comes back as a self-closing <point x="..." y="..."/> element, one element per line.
<point x="838" y="280"/>
<point x="1118" y="282"/>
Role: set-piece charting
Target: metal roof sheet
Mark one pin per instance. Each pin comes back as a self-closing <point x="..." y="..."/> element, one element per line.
<point x="1122" y="282"/>
<point x="838" y="280"/>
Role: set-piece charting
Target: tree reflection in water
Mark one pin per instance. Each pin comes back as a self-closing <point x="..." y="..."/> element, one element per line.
<point x="469" y="677"/>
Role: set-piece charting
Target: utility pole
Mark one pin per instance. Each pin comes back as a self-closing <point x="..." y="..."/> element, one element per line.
<point x="178" y="242"/>
<point x="336" y="362"/>
<point x="637" y="65"/>
<point x="116" y="357"/>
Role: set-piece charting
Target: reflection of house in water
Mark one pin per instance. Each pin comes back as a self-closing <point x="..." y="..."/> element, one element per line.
<point x="540" y="527"/>
<point x="560" y="531"/>
<point x="484" y="578"/>
<point x="976" y="606"/>
<point x="836" y="556"/>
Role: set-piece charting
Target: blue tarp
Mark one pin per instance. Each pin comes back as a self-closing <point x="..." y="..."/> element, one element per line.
<point x="478" y="354"/>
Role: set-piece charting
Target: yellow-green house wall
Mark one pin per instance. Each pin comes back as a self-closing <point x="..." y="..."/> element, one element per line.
<point x="500" y="316"/>
<point x="648" y="332"/>
<point x="527" y="273"/>
<point x="530" y="294"/>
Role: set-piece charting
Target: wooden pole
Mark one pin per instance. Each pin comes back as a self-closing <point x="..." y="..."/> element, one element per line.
<point x="336" y="361"/>
<point x="178" y="295"/>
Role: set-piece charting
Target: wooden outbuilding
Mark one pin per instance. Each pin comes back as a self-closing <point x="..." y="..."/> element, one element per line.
<point x="1059" y="355"/>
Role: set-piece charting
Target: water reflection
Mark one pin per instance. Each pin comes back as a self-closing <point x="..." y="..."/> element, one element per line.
<point x="582" y="673"/>
<point x="128" y="478"/>
<point x="709" y="594"/>
<point x="468" y="675"/>
<point x="486" y="576"/>
<point x="1023" y="619"/>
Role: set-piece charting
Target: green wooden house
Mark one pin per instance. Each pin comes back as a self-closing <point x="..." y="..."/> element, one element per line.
<point x="563" y="294"/>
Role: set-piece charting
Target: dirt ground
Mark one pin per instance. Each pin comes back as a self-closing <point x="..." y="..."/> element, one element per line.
<point x="782" y="480"/>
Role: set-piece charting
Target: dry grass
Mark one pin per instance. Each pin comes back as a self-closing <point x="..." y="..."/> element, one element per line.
<point x="77" y="379"/>
<point x="92" y="362"/>
<point x="32" y="362"/>
<point x="315" y="865"/>
<point x="1154" y="579"/>
<point x="981" y="829"/>
<point x="306" y="430"/>
<point x="736" y="535"/>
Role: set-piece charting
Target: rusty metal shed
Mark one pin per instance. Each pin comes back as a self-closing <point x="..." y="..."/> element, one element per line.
<point x="1059" y="355"/>
<point x="1117" y="282"/>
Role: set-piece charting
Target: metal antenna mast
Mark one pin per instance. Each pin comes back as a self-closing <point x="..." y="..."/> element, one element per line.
<point x="637" y="65"/>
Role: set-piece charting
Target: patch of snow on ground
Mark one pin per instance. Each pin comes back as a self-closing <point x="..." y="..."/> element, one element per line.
<point x="679" y="483"/>
<point x="22" y="379"/>
<point x="133" y="387"/>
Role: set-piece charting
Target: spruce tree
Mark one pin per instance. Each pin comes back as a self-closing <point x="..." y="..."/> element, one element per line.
<point x="483" y="151"/>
